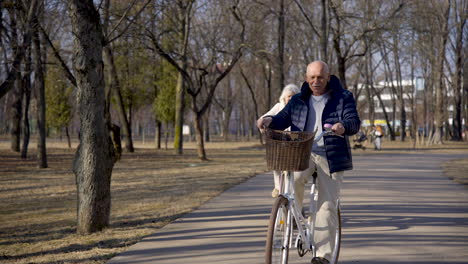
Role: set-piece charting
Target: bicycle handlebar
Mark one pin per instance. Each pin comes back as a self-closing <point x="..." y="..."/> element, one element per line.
<point x="326" y="132"/>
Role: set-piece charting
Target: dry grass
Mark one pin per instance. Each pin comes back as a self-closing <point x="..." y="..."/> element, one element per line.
<point x="150" y="188"/>
<point x="457" y="170"/>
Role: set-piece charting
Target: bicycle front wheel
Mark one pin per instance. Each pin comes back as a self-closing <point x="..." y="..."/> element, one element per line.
<point x="279" y="233"/>
<point x="336" y="249"/>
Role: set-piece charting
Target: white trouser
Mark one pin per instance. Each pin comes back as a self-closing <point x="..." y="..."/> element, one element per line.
<point x="378" y="143"/>
<point x="328" y="194"/>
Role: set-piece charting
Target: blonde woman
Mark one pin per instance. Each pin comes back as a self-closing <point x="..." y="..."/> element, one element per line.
<point x="288" y="91"/>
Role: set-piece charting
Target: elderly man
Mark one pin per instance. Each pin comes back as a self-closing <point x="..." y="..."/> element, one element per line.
<point x="322" y="101"/>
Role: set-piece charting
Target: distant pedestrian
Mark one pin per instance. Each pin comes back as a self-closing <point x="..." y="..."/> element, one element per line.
<point x="378" y="134"/>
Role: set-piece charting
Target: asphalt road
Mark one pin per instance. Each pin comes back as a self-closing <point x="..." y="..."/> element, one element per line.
<point x="396" y="208"/>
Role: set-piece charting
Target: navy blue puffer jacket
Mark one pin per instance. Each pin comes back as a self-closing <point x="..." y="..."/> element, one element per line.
<point x="340" y="107"/>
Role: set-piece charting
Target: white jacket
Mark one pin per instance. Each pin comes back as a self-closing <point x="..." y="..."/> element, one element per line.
<point x="274" y="110"/>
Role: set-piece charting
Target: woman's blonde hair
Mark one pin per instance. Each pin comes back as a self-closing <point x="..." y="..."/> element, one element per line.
<point x="290" y="88"/>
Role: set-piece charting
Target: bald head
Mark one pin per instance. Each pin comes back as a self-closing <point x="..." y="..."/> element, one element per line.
<point x="318" y="64"/>
<point x="317" y="76"/>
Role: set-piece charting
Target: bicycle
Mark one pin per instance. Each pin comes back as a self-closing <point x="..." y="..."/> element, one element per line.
<point x="288" y="152"/>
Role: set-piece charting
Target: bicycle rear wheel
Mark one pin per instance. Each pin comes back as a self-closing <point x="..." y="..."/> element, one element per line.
<point x="279" y="233"/>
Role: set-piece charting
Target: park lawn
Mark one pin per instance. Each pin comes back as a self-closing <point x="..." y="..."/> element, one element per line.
<point x="150" y="188"/>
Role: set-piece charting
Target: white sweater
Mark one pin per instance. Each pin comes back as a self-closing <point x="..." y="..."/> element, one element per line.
<point x="275" y="109"/>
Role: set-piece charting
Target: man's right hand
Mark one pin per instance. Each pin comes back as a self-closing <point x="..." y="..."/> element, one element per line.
<point x="264" y="122"/>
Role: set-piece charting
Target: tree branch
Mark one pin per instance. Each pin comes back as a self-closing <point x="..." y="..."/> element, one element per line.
<point x="65" y="68"/>
<point x="7" y="85"/>
<point x="129" y="24"/>
<point x="304" y="13"/>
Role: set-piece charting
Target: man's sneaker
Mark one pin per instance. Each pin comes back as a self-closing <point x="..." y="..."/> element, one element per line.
<point x="320" y="260"/>
<point x="274" y="193"/>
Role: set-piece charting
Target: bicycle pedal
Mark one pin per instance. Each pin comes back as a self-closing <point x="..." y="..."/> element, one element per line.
<point x="298" y="242"/>
<point x="300" y="249"/>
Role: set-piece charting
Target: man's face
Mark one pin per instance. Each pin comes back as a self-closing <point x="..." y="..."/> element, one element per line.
<point x="317" y="77"/>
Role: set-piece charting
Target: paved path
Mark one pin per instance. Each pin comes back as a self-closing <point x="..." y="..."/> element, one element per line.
<point x="396" y="209"/>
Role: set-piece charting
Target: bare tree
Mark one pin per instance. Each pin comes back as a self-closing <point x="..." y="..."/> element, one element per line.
<point x="19" y="50"/>
<point x="349" y="30"/>
<point x="281" y="41"/>
<point x="460" y="17"/>
<point x="225" y="100"/>
<point x="94" y="158"/>
<point x="173" y="23"/>
<point x="13" y="82"/>
<point x="399" y="80"/>
<point x="210" y="62"/>
<point x="40" y="89"/>
<point x="443" y="19"/>
<point x="253" y="97"/>
<point x="26" y="86"/>
<point x="465" y="86"/>
<point x="321" y="29"/>
<point x="111" y="34"/>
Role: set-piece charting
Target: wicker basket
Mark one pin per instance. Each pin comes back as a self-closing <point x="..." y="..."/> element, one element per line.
<point x="288" y="150"/>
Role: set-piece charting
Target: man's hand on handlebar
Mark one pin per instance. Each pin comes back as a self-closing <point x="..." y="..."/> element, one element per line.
<point x="338" y="128"/>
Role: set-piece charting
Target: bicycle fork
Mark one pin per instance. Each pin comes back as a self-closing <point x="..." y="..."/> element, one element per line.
<point x="312" y="216"/>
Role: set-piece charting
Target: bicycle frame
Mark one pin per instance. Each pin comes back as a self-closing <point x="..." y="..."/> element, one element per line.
<point x="305" y="228"/>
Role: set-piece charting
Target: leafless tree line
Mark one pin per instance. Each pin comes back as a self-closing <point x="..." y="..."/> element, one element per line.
<point x="223" y="64"/>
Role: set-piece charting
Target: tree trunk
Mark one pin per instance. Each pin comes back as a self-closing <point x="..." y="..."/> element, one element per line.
<point x="389" y="79"/>
<point x="26" y="83"/>
<point x="281" y="41"/>
<point x="157" y="136"/>
<point x="15" y="115"/>
<point x="414" y="119"/>
<point x="19" y="50"/>
<point x="254" y="100"/>
<point x="206" y="121"/>
<point x="324" y="35"/>
<point x="115" y="88"/>
<point x="227" y="109"/>
<point x="340" y="56"/>
<point x="342" y="71"/>
<point x="457" y="119"/>
<point x="17" y="90"/>
<point x="428" y="104"/>
<point x="184" y="17"/>
<point x="400" y="92"/>
<point x="68" y="137"/>
<point x="267" y="72"/>
<point x="94" y="159"/>
<point x="439" y="118"/>
<point x="199" y="136"/>
<point x="41" y="104"/>
<point x="115" y="138"/>
<point x="465" y="91"/>
<point x="179" y="115"/>
<point x="369" y="91"/>
<point x="166" y="136"/>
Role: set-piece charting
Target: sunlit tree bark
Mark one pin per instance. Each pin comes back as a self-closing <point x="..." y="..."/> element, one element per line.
<point x="94" y="160"/>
